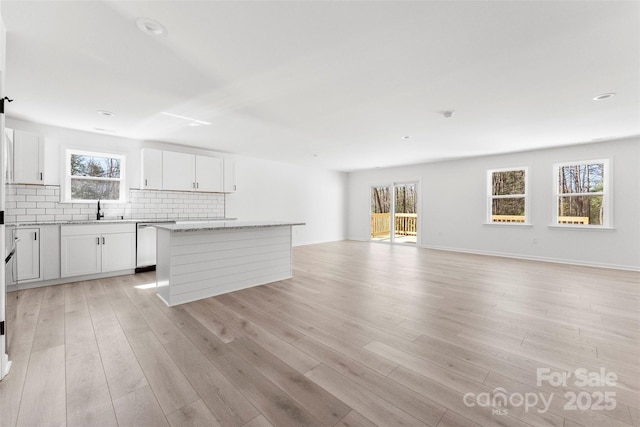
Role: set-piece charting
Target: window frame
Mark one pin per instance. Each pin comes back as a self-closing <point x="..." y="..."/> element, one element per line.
<point x="605" y="193"/>
<point x="491" y="197"/>
<point x="67" y="175"/>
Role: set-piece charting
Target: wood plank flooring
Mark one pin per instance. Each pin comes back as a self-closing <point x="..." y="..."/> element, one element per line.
<point x="365" y="334"/>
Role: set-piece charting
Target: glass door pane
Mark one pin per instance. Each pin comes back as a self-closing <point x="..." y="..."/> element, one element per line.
<point x="405" y="220"/>
<point x="381" y="213"/>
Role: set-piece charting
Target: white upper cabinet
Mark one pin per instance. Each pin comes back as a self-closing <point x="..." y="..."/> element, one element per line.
<point x="28" y="158"/>
<point x="178" y="171"/>
<point x="208" y="174"/>
<point x="169" y="170"/>
<point x="151" y="178"/>
<point x="229" y="176"/>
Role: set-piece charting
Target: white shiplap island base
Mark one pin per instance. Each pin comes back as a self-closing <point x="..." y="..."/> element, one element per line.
<point x="202" y="259"/>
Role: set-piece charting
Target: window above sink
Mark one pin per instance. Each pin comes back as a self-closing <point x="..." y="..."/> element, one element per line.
<point x="91" y="176"/>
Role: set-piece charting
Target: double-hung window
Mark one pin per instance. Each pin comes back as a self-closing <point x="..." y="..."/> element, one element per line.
<point x="94" y="176"/>
<point x="582" y="193"/>
<point x="507" y="195"/>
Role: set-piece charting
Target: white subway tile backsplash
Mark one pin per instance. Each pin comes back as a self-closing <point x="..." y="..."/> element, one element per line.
<point x="28" y="203"/>
<point x="15" y="197"/>
<point x="25" y="205"/>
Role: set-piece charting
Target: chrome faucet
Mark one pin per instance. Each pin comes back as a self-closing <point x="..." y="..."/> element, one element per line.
<point x="100" y="214"/>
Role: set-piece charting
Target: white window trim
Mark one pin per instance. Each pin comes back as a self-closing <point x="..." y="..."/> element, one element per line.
<point x="490" y="197"/>
<point x="67" y="175"/>
<point x="606" y="195"/>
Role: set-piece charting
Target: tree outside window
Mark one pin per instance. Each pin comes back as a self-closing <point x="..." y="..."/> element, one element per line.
<point x="581" y="193"/>
<point x="507" y="195"/>
<point x="94" y="176"/>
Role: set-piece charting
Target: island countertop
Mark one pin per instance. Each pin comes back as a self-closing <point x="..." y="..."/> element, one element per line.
<point x="222" y="225"/>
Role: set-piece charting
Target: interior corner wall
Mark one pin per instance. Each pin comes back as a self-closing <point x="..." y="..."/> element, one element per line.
<point x="267" y="190"/>
<point x="454" y="204"/>
<point x="280" y="191"/>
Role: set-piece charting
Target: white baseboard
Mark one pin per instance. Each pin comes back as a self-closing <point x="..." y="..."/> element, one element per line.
<point x="536" y="258"/>
<point x="63" y="280"/>
<point x="317" y="242"/>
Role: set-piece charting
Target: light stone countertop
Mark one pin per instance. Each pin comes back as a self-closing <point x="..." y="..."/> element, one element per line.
<point x="116" y="221"/>
<point x="223" y="225"/>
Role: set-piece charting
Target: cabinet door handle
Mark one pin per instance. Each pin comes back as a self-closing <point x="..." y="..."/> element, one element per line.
<point x="97" y="240"/>
<point x="103" y="240"/>
<point x="145" y="182"/>
<point x="35" y="235"/>
<point x="197" y="185"/>
<point x="40" y="176"/>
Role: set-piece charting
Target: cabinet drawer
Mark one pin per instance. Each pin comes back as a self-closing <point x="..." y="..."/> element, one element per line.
<point x="78" y="230"/>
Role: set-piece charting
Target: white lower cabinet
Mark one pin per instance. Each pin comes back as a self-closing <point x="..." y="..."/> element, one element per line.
<point x="79" y="254"/>
<point x="27" y="266"/>
<point x="118" y="251"/>
<point x="38" y="253"/>
<point x="92" y="249"/>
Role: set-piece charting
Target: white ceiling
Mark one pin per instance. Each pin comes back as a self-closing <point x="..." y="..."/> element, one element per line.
<point x="333" y="84"/>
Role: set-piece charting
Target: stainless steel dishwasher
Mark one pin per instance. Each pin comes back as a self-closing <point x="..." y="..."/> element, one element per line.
<point x="145" y="247"/>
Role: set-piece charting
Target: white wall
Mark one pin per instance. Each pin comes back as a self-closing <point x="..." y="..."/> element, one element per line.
<point x="279" y="191"/>
<point x="266" y="190"/>
<point x="453" y="206"/>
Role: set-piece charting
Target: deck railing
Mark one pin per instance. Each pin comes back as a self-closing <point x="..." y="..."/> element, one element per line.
<point x="573" y="220"/>
<point x="507" y="218"/>
<point x="405" y="224"/>
<point x="561" y="219"/>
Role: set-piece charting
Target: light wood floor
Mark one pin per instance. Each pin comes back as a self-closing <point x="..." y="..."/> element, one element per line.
<point x="364" y="334"/>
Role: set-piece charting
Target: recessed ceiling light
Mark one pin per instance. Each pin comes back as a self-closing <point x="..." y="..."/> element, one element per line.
<point x="196" y="121"/>
<point x="604" y="96"/>
<point x="151" y="27"/>
<point x="448" y="114"/>
<point x="105" y="113"/>
<point x="406" y="137"/>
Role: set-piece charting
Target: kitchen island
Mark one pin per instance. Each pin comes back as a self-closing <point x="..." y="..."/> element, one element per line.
<point x="198" y="260"/>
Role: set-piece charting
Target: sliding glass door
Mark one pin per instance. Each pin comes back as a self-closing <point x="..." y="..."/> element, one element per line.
<point x="381" y="213"/>
<point x="394" y="213"/>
